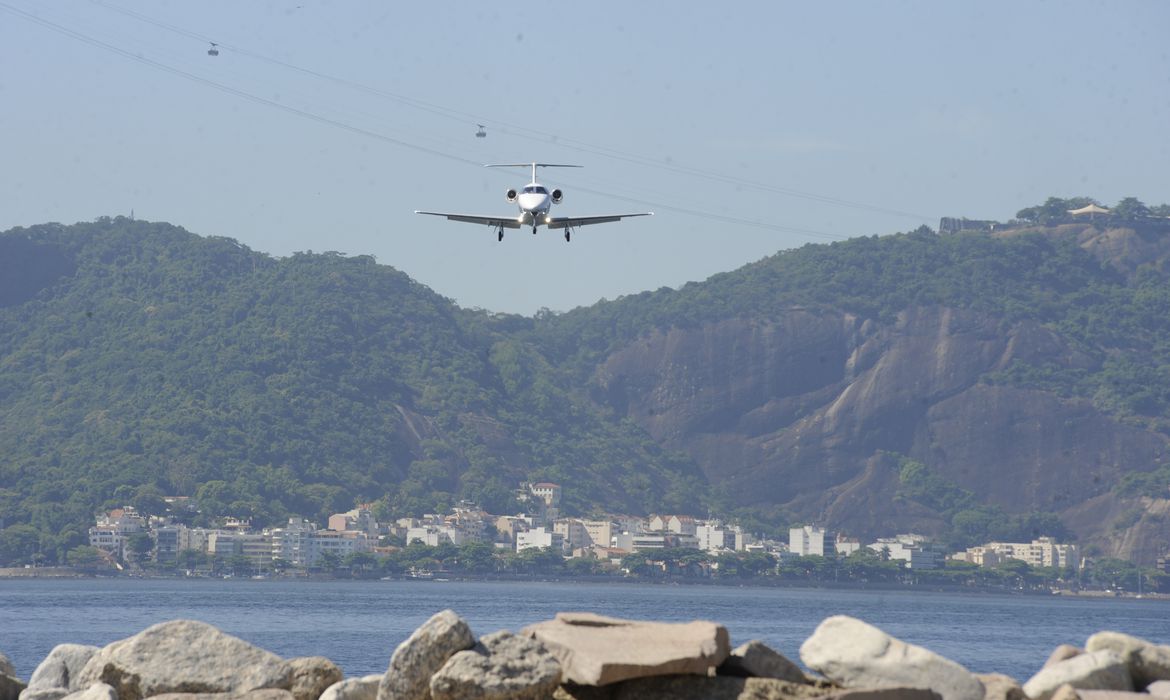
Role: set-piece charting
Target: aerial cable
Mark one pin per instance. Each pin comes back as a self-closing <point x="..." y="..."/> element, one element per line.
<point x="525" y="132"/>
<point x="228" y="89"/>
<point x="73" y="34"/>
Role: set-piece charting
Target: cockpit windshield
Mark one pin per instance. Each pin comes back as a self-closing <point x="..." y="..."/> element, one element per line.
<point x="536" y="189"/>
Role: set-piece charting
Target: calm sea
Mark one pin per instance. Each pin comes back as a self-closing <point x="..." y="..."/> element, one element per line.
<point x="358" y="624"/>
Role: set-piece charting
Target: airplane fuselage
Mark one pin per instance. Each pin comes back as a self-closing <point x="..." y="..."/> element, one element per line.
<point x="534" y="202"/>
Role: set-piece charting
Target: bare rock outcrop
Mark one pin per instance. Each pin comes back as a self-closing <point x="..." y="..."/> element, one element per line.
<point x="997" y="686"/>
<point x="56" y="676"/>
<point x="1064" y="652"/>
<point x="422" y="654"/>
<point x="312" y="675"/>
<point x="597" y="650"/>
<point x="184" y="656"/>
<point x="364" y="688"/>
<point x="1147" y="662"/>
<point x="756" y="659"/>
<point x="856" y="654"/>
<point x="502" y="666"/>
<point x="1095" y="670"/>
<point x="10" y="687"/>
<point x="95" y="691"/>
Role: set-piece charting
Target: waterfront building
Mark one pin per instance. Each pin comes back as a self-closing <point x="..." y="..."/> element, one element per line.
<point x="914" y="550"/>
<point x="573" y="531"/>
<point x="1042" y="551"/>
<point x="600" y="532"/>
<point x="112" y="530"/>
<point x="540" y="537"/>
<point x="678" y="524"/>
<point x="808" y="540"/>
<point x="847" y="545"/>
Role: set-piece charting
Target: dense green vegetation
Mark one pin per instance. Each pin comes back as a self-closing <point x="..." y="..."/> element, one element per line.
<point x="146" y="361"/>
<point x="138" y="360"/>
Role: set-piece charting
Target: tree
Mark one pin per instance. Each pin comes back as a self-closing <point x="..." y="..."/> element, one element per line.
<point x="139" y="545"/>
<point x="1130" y="208"/>
<point x="84" y="557"/>
<point x="18" y="544"/>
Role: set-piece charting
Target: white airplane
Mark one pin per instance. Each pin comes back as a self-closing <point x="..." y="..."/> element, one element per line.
<point x="535" y="202"/>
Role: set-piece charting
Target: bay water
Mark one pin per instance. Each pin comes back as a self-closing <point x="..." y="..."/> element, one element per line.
<point x="358" y="624"/>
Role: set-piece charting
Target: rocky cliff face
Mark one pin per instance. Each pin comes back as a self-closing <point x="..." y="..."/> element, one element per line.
<point x="796" y="411"/>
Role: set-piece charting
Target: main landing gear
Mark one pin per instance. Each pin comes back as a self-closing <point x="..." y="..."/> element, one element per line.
<point x="500" y="234"/>
<point x="568" y="232"/>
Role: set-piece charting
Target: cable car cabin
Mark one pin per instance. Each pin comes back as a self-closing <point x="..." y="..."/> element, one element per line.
<point x="481" y="133"/>
<point x="213" y="51"/>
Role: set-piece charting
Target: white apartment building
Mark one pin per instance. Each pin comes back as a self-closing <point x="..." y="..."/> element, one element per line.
<point x="540" y="537"/>
<point x="574" y="533"/>
<point x="1043" y="551"/>
<point x="914" y="550"/>
<point x="113" y="529"/>
<point x="808" y="540"/>
<point x="600" y="532"/>
<point x="678" y="524"/>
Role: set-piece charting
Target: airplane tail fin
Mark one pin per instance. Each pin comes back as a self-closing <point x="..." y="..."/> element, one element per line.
<point x="534" y="166"/>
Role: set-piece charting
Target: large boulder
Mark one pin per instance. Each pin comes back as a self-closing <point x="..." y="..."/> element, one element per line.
<point x="1147" y="662"/>
<point x="1064" y="652"/>
<point x="756" y="659"/>
<point x="312" y="675"/>
<point x="6" y="666"/>
<point x="95" y="691"/>
<point x="501" y="667"/>
<point x="1095" y="670"/>
<point x="184" y="656"/>
<point x="424" y="652"/>
<point x="261" y="694"/>
<point x="364" y="688"/>
<point x="859" y="655"/>
<point x="997" y="686"/>
<point x="1160" y="689"/>
<point x="44" y="693"/>
<point x="597" y="650"/>
<point x="10" y="687"/>
<point x="730" y="688"/>
<point x="61" y="667"/>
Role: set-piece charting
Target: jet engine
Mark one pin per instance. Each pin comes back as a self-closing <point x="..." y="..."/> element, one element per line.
<point x="510" y="195"/>
<point x="557" y="195"/>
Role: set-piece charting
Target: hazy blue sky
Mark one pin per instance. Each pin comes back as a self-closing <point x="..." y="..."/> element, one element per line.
<point x="748" y="127"/>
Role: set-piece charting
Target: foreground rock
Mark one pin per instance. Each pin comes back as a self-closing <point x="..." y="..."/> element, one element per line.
<point x="1097" y="670"/>
<point x="262" y="694"/>
<point x="184" y="656"/>
<point x="97" y="691"/>
<point x="997" y="686"/>
<point x="756" y="660"/>
<point x="856" y="654"/>
<point x="501" y="667"/>
<point x="422" y="654"/>
<point x="57" y="675"/>
<point x="312" y="675"/>
<point x="729" y="688"/>
<point x="1147" y="662"/>
<point x="597" y="650"/>
<point x="10" y="686"/>
<point x="364" y="688"/>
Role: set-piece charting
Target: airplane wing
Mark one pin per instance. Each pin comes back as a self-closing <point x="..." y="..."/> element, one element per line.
<point x="575" y="221"/>
<point x="494" y="221"/>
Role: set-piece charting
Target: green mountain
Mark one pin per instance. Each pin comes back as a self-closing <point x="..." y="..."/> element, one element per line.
<point x="967" y="386"/>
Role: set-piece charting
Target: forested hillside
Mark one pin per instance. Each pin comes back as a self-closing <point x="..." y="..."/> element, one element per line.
<point x="967" y="385"/>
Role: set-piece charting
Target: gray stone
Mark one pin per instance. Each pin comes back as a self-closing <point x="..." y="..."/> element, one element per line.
<point x="756" y="659"/>
<point x="62" y="666"/>
<point x="1096" y="670"/>
<point x="6" y="667"/>
<point x="1148" y="662"/>
<point x="364" y="688"/>
<point x="1159" y="689"/>
<point x="730" y="688"/>
<point x="184" y="656"/>
<point x="1111" y="695"/>
<point x="43" y="693"/>
<point x="95" y="691"/>
<point x="261" y="694"/>
<point x="312" y="675"/>
<point x="997" y="686"/>
<point x="1064" y="652"/>
<point x="424" y="652"/>
<point x="859" y="655"/>
<point x="1065" y="692"/>
<point x="10" y="687"/>
<point x="501" y="667"/>
<point x="597" y="650"/>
